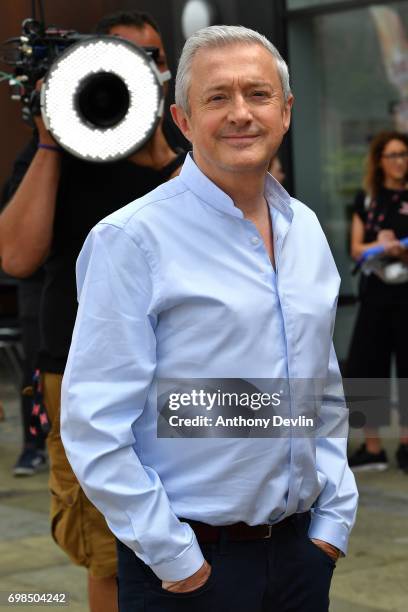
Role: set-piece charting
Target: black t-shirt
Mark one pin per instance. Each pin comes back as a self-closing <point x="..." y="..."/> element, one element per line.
<point x="87" y="193"/>
<point x="389" y="210"/>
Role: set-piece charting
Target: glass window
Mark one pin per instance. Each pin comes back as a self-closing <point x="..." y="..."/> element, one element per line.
<point x="350" y="80"/>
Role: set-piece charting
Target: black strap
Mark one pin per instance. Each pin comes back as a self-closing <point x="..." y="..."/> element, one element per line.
<point x="175" y="163"/>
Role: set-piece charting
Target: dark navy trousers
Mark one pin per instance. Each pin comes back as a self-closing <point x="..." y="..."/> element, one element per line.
<point x="286" y="573"/>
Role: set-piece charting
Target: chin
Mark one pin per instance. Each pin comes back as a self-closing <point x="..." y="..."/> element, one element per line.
<point x="247" y="162"/>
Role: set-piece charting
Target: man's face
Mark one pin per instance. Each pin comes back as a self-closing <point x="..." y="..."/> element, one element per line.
<point x="143" y="37"/>
<point x="237" y="112"/>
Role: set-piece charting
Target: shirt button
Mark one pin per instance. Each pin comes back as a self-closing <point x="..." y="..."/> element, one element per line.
<point x="255" y="240"/>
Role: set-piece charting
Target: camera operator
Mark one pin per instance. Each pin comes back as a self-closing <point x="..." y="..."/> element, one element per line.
<point x="59" y="199"/>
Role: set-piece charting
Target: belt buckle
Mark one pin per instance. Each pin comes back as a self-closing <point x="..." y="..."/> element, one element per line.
<point x="269" y="534"/>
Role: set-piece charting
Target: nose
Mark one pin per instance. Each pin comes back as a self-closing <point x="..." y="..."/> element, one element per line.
<point x="239" y="111"/>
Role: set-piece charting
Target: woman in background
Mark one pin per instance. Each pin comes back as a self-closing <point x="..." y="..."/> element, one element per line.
<point x="381" y="218"/>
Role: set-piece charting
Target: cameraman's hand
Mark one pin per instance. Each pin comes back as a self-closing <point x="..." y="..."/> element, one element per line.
<point x="44" y="137"/>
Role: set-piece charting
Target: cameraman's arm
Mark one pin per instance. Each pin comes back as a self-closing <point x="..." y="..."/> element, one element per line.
<point x="26" y="224"/>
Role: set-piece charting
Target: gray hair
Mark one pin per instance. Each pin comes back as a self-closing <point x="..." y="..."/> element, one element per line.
<point x="221" y="36"/>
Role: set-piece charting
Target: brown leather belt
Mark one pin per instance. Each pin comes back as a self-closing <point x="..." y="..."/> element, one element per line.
<point x="209" y="534"/>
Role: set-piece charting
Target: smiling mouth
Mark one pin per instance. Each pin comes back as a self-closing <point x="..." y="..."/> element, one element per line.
<point x="241" y="136"/>
<point x="241" y="140"/>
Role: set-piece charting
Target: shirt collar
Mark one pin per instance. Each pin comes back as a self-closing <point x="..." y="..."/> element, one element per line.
<point x="277" y="197"/>
<point x="191" y="175"/>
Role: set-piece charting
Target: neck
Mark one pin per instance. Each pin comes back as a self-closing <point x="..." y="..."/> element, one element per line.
<point x="247" y="193"/>
<point x="156" y="153"/>
<point x="246" y="189"/>
<point x="391" y="183"/>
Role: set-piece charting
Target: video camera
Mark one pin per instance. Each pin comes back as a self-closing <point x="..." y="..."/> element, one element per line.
<point x="101" y="97"/>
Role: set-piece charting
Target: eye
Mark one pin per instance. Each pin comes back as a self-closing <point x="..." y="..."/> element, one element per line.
<point x="259" y="94"/>
<point x="217" y="97"/>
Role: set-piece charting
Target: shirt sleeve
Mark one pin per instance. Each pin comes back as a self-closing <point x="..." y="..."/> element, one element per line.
<point x="109" y="373"/>
<point x="334" y="512"/>
<point x="359" y="205"/>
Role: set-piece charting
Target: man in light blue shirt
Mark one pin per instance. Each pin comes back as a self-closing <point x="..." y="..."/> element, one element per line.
<point x="217" y="274"/>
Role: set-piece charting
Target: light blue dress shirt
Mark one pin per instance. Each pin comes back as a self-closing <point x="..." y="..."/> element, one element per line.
<point x="178" y="284"/>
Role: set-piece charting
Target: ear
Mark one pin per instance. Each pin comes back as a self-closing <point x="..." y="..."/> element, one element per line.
<point x="181" y="120"/>
<point x="287" y="112"/>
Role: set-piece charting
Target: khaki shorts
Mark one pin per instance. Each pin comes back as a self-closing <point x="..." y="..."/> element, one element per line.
<point x="76" y="525"/>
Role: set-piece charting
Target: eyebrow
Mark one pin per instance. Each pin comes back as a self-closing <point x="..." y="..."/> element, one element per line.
<point x="222" y="86"/>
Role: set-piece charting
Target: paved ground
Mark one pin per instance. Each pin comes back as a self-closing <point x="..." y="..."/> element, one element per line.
<point x="374" y="577"/>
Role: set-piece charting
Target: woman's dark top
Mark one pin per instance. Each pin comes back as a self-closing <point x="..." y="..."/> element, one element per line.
<point x="389" y="210"/>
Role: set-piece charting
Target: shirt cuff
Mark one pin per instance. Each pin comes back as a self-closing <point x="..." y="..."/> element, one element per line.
<point x="185" y="565"/>
<point x="329" y="531"/>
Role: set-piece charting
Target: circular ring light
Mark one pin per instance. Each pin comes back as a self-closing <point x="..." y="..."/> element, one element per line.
<point x="102" y="98"/>
<point x="196" y="14"/>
